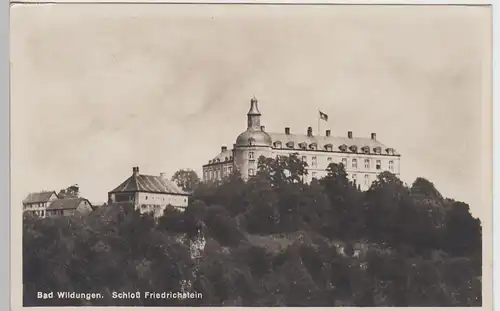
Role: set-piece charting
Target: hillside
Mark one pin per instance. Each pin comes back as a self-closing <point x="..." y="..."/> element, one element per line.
<point x="270" y="241"/>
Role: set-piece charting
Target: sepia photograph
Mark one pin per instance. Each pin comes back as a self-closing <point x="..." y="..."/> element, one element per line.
<point x="254" y="155"/>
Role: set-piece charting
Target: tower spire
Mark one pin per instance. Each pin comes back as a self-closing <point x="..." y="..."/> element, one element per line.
<point x="254" y="115"/>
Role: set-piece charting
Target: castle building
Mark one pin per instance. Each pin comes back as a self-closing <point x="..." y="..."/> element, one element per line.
<point x="363" y="157"/>
<point x="149" y="193"/>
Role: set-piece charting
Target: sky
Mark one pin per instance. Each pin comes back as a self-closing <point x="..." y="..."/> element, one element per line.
<point x="98" y="89"/>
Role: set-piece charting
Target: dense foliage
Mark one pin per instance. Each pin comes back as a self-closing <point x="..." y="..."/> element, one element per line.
<point x="270" y="241"/>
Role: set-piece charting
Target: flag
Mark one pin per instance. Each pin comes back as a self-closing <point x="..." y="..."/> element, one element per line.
<point x="323" y="116"/>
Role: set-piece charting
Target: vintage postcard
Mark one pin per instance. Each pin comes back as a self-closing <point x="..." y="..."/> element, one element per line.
<point x="256" y="155"/>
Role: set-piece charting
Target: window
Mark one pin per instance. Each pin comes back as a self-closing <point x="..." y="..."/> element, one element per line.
<point x="277" y="144"/>
<point x="379" y="166"/>
<point x="290" y="144"/>
<point x="251" y="172"/>
<point x="344" y="162"/>
<point x="43" y="213"/>
<point x="329" y="159"/>
<point x="225" y="170"/>
<point x="313" y="175"/>
<point x="146" y="197"/>
<point x="354" y="163"/>
<point x="354" y="178"/>
<point x="303" y="146"/>
<point x="304" y="159"/>
<point x="313" y="146"/>
<point x="367" y="163"/>
<point x="391" y="165"/>
<point x="367" y="179"/>
<point x="251" y="155"/>
<point x="314" y="161"/>
<point x="229" y="169"/>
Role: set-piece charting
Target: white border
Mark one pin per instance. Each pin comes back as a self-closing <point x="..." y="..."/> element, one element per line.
<point x="5" y="115"/>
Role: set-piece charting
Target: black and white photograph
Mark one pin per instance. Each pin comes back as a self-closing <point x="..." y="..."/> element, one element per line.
<point x="251" y="155"/>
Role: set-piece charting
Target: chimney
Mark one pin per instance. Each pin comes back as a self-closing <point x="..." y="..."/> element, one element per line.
<point x="135" y="170"/>
<point x="349" y="134"/>
<point x="262" y="128"/>
<point x="309" y="131"/>
<point x="287" y="130"/>
<point x="328" y="133"/>
<point x="374" y="136"/>
<point x="163" y="175"/>
<point x="223" y="149"/>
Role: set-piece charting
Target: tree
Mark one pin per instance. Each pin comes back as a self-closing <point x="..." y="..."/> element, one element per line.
<point x="70" y="192"/>
<point x="186" y="179"/>
<point x="282" y="169"/>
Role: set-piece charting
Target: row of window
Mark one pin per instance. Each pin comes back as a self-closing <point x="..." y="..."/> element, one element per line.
<point x="46" y="213"/>
<point x="354" y="178"/>
<point x="354" y="163"/>
<point x="217" y="174"/>
<point x="329" y="147"/>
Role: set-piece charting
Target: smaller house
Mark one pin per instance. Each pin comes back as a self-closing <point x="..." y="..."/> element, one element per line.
<point x="149" y="193"/>
<point x="37" y="203"/>
<point x="69" y="207"/>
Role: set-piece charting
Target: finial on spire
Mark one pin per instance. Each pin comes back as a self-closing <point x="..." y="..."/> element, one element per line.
<point x="254" y="110"/>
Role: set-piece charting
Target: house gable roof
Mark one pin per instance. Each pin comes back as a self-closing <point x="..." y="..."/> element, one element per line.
<point x="39" y="197"/>
<point x="148" y="183"/>
<point x="67" y="203"/>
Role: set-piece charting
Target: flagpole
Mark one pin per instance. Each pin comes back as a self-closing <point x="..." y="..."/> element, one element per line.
<point x="319" y="121"/>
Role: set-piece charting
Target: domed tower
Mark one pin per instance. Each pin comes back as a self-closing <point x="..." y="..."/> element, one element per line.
<point x="252" y="143"/>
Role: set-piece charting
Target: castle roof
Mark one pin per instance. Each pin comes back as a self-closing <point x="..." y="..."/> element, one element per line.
<point x="337" y="143"/>
<point x="224" y="156"/>
<point x="254" y="137"/>
<point x="148" y="183"/>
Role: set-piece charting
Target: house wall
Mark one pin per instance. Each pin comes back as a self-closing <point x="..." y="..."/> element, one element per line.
<point x="354" y="164"/>
<point x="83" y="208"/>
<point x="40" y="208"/>
<point x="217" y="171"/>
<point x="151" y="202"/>
<point x="364" y="173"/>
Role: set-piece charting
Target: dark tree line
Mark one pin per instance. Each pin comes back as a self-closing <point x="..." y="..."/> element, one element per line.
<point x="270" y="241"/>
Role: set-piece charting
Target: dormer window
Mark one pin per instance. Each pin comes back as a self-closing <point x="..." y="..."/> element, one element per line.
<point x="251" y="141"/>
<point x="303" y="146"/>
<point x="366" y="149"/>
<point x="227" y="158"/>
<point x="353" y="148"/>
<point x="313" y="146"/>
<point x="209" y="161"/>
<point x="389" y="150"/>
<point x="277" y="144"/>
<point x="290" y="144"/>
<point x="328" y="147"/>
<point x="218" y="160"/>
<point x="377" y="150"/>
<point x="343" y="148"/>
